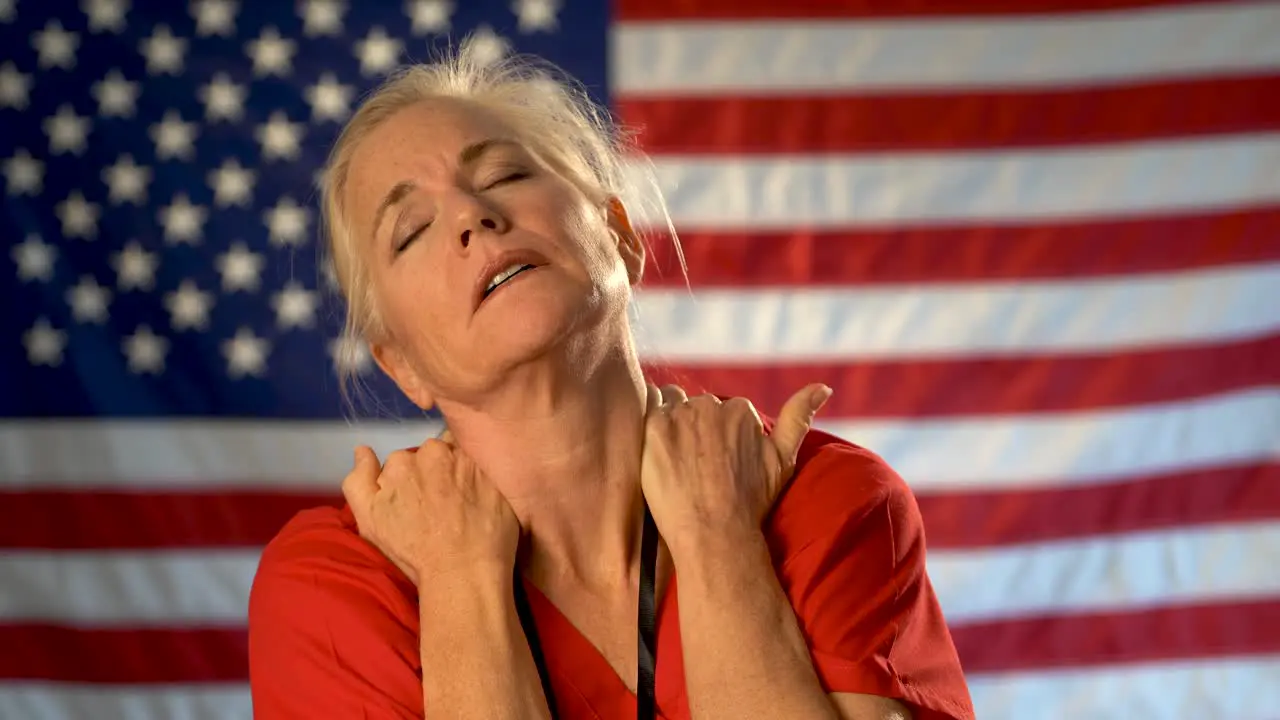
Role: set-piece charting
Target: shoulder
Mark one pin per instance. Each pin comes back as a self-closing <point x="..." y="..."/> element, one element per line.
<point x="837" y="487"/>
<point x="318" y="558"/>
<point x="328" y="611"/>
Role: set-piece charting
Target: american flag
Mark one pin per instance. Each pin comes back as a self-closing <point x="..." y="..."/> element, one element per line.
<point x="1034" y="246"/>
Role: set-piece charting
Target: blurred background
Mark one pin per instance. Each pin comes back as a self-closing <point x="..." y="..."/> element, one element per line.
<point x="1034" y="247"/>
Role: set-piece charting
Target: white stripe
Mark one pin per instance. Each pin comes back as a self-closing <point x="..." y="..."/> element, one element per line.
<point x="1209" y="688"/>
<point x="206" y="587"/>
<point x="781" y="57"/>
<point x="212" y="588"/>
<point x="973" y="319"/>
<point x="1206" y="688"/>
<point x="1025" y="452"/>
<point x="60" y="701"/>
<point x="995" y="452"/>
<point x="1170" y="567"/>
<point x="1050" y="185"/>
<point x="187" y="454"/>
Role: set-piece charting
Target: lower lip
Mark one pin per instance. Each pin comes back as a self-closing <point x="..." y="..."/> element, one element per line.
<point x="518" y="277"/>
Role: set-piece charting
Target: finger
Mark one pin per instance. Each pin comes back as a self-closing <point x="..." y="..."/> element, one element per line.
<point x="361" y="484"/>
<point x="446" y="437"/>
<point x="652" y="399"/>
<point x="795" y="420"/>
<point x="673" y="395"/>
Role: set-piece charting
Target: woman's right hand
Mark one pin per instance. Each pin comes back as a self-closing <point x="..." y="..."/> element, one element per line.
<point x="431" y="511"/>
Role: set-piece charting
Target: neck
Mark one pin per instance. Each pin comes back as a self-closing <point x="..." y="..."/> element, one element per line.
<point x="565" y="453"/>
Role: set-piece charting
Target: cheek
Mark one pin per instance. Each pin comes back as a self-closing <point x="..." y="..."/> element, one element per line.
<point x="592" y="242"/>
<point x="412" y="306"/>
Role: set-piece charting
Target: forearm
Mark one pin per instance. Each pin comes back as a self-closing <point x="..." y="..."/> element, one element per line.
<point x="476" y="661"/>
<point x="744" y="654"/>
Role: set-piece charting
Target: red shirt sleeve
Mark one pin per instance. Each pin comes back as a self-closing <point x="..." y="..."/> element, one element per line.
<point x="332" y="627"/>
<point x="852" y="542"/>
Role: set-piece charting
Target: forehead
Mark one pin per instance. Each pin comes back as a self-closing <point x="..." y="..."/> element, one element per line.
<point x="424" y="138"/>
<point x="439" y="127"/>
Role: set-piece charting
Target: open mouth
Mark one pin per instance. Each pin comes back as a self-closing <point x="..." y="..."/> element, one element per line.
<point x="504" y="276"/>
<point x="502" y="270"/>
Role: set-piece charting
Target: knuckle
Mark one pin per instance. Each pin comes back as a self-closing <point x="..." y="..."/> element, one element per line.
<point x="741" y="406"/>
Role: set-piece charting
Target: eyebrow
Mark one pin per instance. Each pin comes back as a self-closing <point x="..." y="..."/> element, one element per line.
<point x="468" y="156"/>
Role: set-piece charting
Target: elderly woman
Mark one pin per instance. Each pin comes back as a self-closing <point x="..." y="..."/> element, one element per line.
<point x="582" y="544"/>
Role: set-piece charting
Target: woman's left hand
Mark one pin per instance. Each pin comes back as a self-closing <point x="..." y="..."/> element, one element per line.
<point x="708" y="465"/>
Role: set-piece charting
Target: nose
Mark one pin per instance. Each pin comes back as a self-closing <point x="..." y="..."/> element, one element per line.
<point x="477" y="218"/>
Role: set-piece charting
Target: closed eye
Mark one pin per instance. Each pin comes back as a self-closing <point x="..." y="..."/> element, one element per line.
<point x="408" y="239"/>
<point x="513" y="177"/>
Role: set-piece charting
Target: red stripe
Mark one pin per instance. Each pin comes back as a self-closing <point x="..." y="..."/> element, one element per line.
<point x="973" y="119"/>
<point x="978" y="519"/>
<point x="960" y="254"/>
<point x="657" y="10"/>
<point x="86" y="519"/>
<point x="955" y="520"/>
<point x="151" y="656"/>
<point x="958" y="387"/>
<point x="123" y="655"/>
<point x="1139" y="635"/>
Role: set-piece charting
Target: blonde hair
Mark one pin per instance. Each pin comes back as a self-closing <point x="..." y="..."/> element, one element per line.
<point x="550" y="112"/>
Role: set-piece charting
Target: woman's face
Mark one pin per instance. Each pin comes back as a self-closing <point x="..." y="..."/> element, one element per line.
<point x="446" y="203"/>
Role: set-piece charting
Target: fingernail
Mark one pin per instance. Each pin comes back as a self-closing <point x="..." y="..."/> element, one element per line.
<point x="819" y="398"/>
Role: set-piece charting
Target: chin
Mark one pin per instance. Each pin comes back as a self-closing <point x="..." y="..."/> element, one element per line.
<point x="549" y="324"/>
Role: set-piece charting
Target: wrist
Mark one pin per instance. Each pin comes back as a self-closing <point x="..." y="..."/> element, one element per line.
<point x="451" y="583"/>
<point x="711" y="550"/>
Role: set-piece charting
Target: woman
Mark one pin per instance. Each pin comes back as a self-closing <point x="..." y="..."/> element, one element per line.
<point x="485" y="256"/>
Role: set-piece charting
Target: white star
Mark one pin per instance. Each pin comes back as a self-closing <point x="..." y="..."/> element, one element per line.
<point x="279" y="137"/>
<point x="223" y="99"/>
<point x="126" y="181"/>
<point x="330" y="100"/>
<point x="145" y="351"/>
<point x="164" y="51"/>
<point x="24" y="175"/>
<point x="240" y="268"/>
<point x="246" y="354"/>
<point x="67" y="131"/>
<point x="183" y="222"/>
<point x="116" y="96"/>
<point x="45" y="344"/>
<point x="536" y="14"/>
<point x="487" y="46"/>
<point x="214" y="17"/>
<point x="173" y="137"/>
<point x="79" y="217"/>
<point x="135" y="267"/>
<point x="34" y="259"/>
<point x="322" y="17"/>
<point x="295" y="306"/>
<point x="378" y="52"/>
<point x="189" y="306"/>
<point x="14" y="87"/>
<point x="272" y="54"/>
<point x="8" y="10"/>
<point x="89" y="301"/>
<point x="55" y="47"/>
<point x="287" y="223"/>
<point x="350" y="355"/>
<point x="105" y="14"/>
<point x="429" y="16"/>
<point x="232" y="184"/>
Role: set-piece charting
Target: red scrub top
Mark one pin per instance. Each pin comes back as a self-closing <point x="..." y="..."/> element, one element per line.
<point x="333" y="625"/>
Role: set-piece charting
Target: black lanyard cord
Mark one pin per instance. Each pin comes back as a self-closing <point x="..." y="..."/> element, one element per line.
<point x="647" y="620"/>
<point x="646" y="623"/>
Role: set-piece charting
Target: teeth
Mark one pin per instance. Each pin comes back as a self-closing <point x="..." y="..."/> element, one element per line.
<point x="505" y="275"/>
